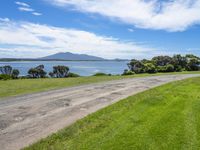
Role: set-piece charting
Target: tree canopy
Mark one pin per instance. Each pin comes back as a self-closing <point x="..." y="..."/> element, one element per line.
<point x="166" y="64"/>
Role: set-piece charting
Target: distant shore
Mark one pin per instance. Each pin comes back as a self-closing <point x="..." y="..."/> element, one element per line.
<point x="29" y="59"/>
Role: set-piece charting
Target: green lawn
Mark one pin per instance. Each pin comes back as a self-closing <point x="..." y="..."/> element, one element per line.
<point x="163" y="118"/>
<point x="26" y="86"/>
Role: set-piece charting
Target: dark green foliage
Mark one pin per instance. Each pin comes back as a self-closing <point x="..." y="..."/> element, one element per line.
<point x="51" y="74"/>
<point x="6" y="73"/>
<point x="150" y="68"/>
<point x="60" y="71"/>
<point x="101" y="74"/>
<point x="37" y="72"/>
<point x="162" y="60"/>
<point x="170" y="68"/>
<point x="136" y="66"/>
<point x="128" y="72"/>
<point x="193" y="64"/>
<point x="5" y="77"/>
<point x="15" y="73"/>
<point x="6" y="70"/>
<point x="179" y="62"/>
<point x="176" y="63"/>
<point x="73" y="75"/>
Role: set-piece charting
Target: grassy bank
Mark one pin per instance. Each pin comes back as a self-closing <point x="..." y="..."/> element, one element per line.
<point x="166" y="117"/>
<point x="26" y="86"/>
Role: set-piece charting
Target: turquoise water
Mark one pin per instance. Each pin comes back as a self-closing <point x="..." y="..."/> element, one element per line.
<point x="83" y="68"/>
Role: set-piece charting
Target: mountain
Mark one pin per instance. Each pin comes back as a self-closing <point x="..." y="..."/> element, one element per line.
<point x="71" y="56"/>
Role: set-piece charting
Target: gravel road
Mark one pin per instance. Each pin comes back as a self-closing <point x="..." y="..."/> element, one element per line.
<point x="28" y="118"/>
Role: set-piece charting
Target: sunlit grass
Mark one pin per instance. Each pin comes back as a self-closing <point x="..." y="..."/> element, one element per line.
<point x="26" y="86"/>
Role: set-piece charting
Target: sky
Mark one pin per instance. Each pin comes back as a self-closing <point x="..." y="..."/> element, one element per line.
<point x="110" y="29"/>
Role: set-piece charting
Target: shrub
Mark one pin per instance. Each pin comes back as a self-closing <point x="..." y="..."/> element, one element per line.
<point x="73" y="75"/>
<point x="100" y="74"/>
<point x="179" y="69"/>
<point x="128" y="72"/>
<point x="5" y="77"/>
<point x="6" y="70"/>
<point x="169" y="68"/>
<point x="60" y="71"/>
<point x="150" y="68"/>
<point x="161" y="69"/>
<point x="15" y="73"/>
<point x="37" y="72"/>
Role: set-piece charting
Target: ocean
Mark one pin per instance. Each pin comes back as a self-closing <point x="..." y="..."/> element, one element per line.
<point x="83" y="68"/>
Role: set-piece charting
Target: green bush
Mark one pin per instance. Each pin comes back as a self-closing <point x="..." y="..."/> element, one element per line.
<point x="128" y="72"/>
<point x="101" y="74"/>
<point x="150" y="68"/>
<point x="179" y="69"/>
<point x="5" y="77"/>
<point x="73" y="75"/>
<point x="161" y="69"/>
<point x="169" y="68"/>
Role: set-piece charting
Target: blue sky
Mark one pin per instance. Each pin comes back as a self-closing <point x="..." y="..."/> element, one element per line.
<point x="110" y="29"/>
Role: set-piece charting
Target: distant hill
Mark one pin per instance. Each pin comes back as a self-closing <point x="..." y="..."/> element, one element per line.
<point x="71" y="56"/>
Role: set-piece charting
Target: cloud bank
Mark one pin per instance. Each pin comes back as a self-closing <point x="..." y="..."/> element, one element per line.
<point x="169" y="15"/>
<point x="26" y="39"/>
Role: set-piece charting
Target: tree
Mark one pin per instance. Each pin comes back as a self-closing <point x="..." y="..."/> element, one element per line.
<point x="128" y="72"/>
<point x="6" y="70"/>
<point x="41" y="72"/>
<point x="33" y="73"/>
<point x="179" y="62"/>
<point x="193" y="64"/>
<point x="51" y="74"/>
<point x="15" y="73"/>
<point x="162" y="60"/>
<point x="61" y="71"/>
<point x="150" y="68"/>
<point x="136" y="66"/>
<point x="169" y="68"/>
<point x="37" y="72"/>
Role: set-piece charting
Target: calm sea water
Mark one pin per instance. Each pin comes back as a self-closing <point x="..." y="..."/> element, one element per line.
<point x="83" y="68"/>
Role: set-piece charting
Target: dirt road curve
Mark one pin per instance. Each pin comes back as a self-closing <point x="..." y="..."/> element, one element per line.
<point x="26" y="119"/>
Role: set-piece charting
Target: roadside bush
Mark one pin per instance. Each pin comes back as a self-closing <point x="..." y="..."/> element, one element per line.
<point x="161" y="69"/>
<point x="100" y="74"/>
<point x="15" y="73"/>
<point x="5" y="77"/>
<point x="60" y="71"/>
<point x="178" y="69"/>
<point x="169" y="68"/>
<point x="24" y="77"/>
<point x="150" y="68"/>
<point x="37" y="72"/>
<point x="128" y="72"/>
<point x="73" y="75"/>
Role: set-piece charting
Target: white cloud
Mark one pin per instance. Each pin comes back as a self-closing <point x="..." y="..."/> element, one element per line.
<point x="131" y="30"/>
<point x="39" y="40"/>
<point x="4" y="19"/>
<point x="169" y="15"/>
<point x="22" y="4"/>
<point x="37" y="14"/>
<point x="26" y="9"/>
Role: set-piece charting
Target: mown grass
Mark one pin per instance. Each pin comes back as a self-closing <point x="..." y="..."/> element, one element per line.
<point x="27" y="86"/>
<point x="163" y="118"/>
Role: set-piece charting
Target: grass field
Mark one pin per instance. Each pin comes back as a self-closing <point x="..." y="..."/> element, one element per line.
<point x="163" y="118"/>
<point x="26" y="86"/>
